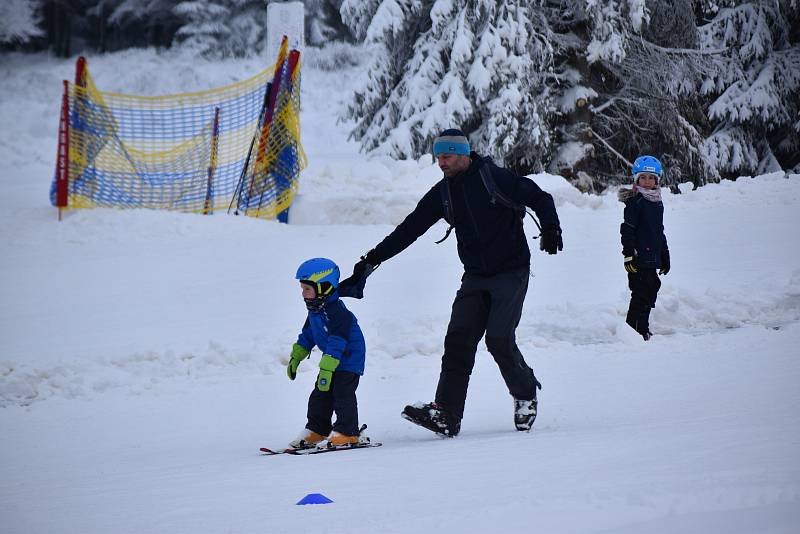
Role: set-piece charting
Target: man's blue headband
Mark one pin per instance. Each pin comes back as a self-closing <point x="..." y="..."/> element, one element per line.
<point x="451" y="144"/>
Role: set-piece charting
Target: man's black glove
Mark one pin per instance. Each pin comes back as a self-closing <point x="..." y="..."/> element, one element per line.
<point x="354" y="285"/>
<point x="664" y="262"/>
<point x="361" y="267"/>
<point x="551" y="241"/>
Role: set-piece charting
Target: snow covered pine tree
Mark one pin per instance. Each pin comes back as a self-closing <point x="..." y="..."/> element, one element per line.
<point x="222" y="28"/>
<point x="18" y="21"/>
<point x="756" y="91"/>
<point x="710" y="86"/>
<point x="474" y="63"/>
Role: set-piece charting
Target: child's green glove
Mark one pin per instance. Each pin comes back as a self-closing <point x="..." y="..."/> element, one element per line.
<point x="299" y="353"/>
<point x="327" y="365"/>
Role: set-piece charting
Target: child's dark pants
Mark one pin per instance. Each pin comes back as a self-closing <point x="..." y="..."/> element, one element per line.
<point x="341" y="399"/>
<point x="644" y="285"/>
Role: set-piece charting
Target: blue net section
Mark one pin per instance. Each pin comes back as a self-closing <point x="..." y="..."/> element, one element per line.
<point x="232" y="147"/>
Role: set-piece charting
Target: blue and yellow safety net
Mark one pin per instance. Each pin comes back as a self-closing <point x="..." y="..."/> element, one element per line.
<point x="234" y="147"/>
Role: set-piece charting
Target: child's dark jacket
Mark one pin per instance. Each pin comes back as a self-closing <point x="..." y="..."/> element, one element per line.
<point x="643" y="230"/>
<point x="335" y="331"/>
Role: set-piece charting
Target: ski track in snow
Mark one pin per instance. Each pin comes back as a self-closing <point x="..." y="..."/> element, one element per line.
<point x="571" y="306"/>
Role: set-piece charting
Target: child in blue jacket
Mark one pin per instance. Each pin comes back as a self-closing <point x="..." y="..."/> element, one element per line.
<point x="644" y="244"/>
<point x="334" y="329"/>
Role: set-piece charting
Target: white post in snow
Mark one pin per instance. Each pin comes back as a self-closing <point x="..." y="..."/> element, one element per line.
<point x="285" y="18"/>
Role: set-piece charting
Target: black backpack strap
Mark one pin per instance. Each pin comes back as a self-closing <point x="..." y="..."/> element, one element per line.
<point x="495" y="197"/>
<point x="498" y="197"/>
<point x="447" y="204"/>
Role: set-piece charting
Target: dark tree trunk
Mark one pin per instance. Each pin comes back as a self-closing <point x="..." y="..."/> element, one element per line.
<point x="576" y="126"/>
<point x="102" y="43"/>
<point x="58" y="16"/>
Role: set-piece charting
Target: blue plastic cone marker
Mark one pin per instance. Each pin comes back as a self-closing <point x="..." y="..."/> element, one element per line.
<point x="314" y="498"/>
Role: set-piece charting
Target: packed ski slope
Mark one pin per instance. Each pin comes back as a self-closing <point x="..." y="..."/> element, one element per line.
<point x="142" y="354"/>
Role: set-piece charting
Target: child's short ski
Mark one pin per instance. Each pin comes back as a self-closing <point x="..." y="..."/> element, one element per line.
<point x="363" y="443"/>
<point x="317" y="450"/>
<point x="314" y="450"/>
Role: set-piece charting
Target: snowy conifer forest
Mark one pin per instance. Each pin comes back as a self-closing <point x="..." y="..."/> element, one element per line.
<point x="579" y="89"/>
<point x="143" y="353"/>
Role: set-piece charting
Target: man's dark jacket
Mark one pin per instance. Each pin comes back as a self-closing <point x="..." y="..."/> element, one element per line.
<point x="490" y="236"/>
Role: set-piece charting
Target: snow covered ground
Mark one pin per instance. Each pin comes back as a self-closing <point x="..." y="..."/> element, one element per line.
<point x="142" y="353"/>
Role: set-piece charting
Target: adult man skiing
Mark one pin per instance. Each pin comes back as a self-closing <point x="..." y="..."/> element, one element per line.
<point x="496" y="258"/>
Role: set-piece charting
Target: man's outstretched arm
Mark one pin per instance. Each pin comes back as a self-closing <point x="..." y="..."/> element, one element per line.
<point x="428" y="211"/>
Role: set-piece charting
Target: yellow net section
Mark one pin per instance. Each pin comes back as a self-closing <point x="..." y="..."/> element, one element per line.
<point x="232" y="147"/>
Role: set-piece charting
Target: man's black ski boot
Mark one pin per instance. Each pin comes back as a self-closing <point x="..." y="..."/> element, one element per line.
<point x="525" y="411"/>
<point x="434" y="418"/>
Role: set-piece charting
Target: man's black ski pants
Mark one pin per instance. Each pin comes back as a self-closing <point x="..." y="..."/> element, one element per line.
<point x="490" y="305"/>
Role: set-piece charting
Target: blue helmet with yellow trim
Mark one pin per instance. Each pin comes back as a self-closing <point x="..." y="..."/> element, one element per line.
<point x="320" y="273"/>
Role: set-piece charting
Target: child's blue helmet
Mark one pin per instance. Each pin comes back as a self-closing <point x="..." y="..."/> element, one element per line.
<point x="647" y="164"/>
<point x="320" y="273"/>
